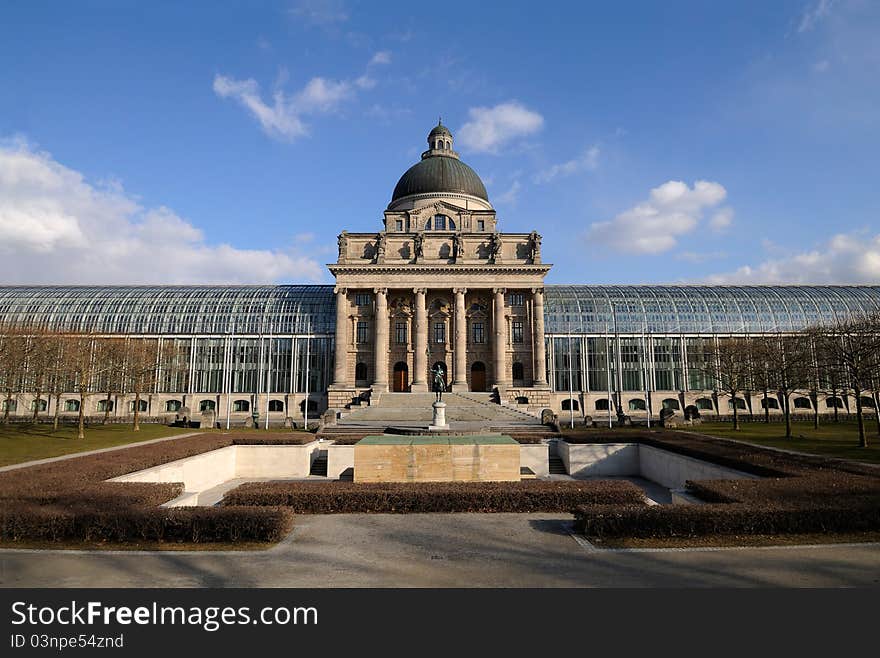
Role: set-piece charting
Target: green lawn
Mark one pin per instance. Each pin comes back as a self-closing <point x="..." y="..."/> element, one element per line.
<point x="21" y="443"/>
<point x="830" y="440"/>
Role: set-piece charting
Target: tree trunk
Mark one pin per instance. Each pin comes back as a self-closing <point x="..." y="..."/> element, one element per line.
<point x="863" y="440"/>
<point x="836" y="399"/>
<point x="815" y="400"/>
<point x="37" y="406"/>
<point x="107" y="408"/>
<point x="735" y="415"/>
<point x="82" y="406"/>
<point x="766" y="408"/>
<point x="6" y="407"/>
<point x="786" y="409"/>
<point x="137" y="412"/>
<point x="57" y="405"/>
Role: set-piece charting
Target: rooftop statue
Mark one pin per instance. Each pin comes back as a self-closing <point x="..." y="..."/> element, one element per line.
<point x="342" y="241"/>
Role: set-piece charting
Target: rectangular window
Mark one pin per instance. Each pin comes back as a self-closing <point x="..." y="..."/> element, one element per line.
<point x="516" y="299"/>
<point x="399" y="224"/>
<point x="362" y="332"/>
<point x="479" y="337"/>
<point x="439" y="222"/>
<point x="363" y="299"/>
<point x="481" y="225"/>
<point x="439" y="332"/>
<point x="400" y="333"/>
<point x="517" y="331"/>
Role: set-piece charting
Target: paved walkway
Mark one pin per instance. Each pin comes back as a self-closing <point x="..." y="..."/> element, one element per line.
<point x="445" y="550"/>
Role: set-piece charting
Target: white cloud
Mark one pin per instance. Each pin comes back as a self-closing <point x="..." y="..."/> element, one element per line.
<point x="821" y="66"/>
<point x="510" y="195"/>
<point x="283" y="118"/>
<point x="322" y="13"/>
<point x="846" y="258"/>
<point x="587" y="161"/>
<point x="489" y="128"/>
<point x="814" y="14"/>
<point x="365" y="82"/>
<point x="280" y="120"/>
<point x="381" y="57"/>
<point x="58" y="227"/>
<point x="721" y="220"/>
<point x="653" y="226"/>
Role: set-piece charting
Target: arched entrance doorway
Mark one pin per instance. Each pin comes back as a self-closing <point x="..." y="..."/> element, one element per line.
<point x="445" y="374"/>
<point x="401" y="377"/>
<point x="478" y="377"/>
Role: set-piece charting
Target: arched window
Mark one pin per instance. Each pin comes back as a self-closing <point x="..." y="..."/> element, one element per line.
<point x="518" y="371"/>
<point x="637" y="405"/>
<point x="450" y="224"/>
<point x="105" y="405"/>
<point x="172" y="405"/>
<point x="313" y="406"/>
<point x="276" y="405"/>
<point x="360" y="372"/>
<point x="671" y="403"/>
<point x="207" y="405"/>
<point x="704" y="404"/>
<point x="448" y="145"/>
<point x="142" y="406"/>
<point x="831" y="403"/>
<point x="42" y="405"/>
<point x="769" y="403"/>
<point x="71" y="405"/>
<point x="571" y="405"/>
<point x="867" y="403"/>
<point x="602" y="404"/>
<point x="803" y="403"/>
<point x="241" y="405"/>
<point x="440" y="222"/>
<point x="740" y="404"/>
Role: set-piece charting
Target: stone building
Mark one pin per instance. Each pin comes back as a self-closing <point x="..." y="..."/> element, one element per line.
<point x="438" y="283"/>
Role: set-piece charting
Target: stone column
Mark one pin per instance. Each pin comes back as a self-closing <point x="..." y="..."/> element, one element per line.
<point x="420" y="343"/>
<point x="500" y="329"/>
<point x="380" y="346"/>
<point x="538" y="337"/>
<point x="460" y="382"/>
<point x="341" y="359"/>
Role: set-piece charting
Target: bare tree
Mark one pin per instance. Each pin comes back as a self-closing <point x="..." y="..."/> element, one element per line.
<point x="110" y="355"/>
<point x="854" y="344"/>
<point x="85" y="368"/>
<point x="141" y="368"/>
<point x="13" y="365"/>
<point x="727" y="368"/>
<point x="787" y="361"/>
<point x="58" y="380"/>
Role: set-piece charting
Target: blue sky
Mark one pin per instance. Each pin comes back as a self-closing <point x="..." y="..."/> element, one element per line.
<point x="231" y="142"/>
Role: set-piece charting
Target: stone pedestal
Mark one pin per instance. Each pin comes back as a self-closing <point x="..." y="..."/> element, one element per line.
<point x="439" y="422"/>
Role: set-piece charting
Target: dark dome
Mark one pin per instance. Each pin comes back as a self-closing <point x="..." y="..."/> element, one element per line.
<point x="439" y="173"/>
<point x="439" y="129"/>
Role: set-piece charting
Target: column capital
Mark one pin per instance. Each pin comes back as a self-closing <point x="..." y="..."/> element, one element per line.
<point x="537" y="291"/>
<point x="499" y="291"/>
<point x="380" y="291"/>
<point x="420" y="291"/>
<point x="460" y="291"/>
<point x="340" y="290"/>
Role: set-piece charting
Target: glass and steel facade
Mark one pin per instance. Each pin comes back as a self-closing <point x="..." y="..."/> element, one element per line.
<point x="279" y="339"/>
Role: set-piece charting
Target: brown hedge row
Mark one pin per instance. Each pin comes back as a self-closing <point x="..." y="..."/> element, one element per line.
<point x="69" y="500"/>
<point x="611" y="521"/>
<point x="347" y="497"/>
<point x="83" y="522"/>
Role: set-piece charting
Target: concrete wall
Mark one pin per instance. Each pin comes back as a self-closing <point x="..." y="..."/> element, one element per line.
<point x="672" y="470"/>
<point x="535" y="457"/>
<point x="666" y="468"/>
<point x="210" y="469"/>
<point x="339" y="458"/>
<point x="599" y="459"/>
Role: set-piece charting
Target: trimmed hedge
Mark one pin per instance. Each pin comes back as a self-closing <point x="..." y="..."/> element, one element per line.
<point x="69" y="500"/>
<point x="406" y="497"/>
<point x="84" y="522"/>
<point x="611" y="521"/>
